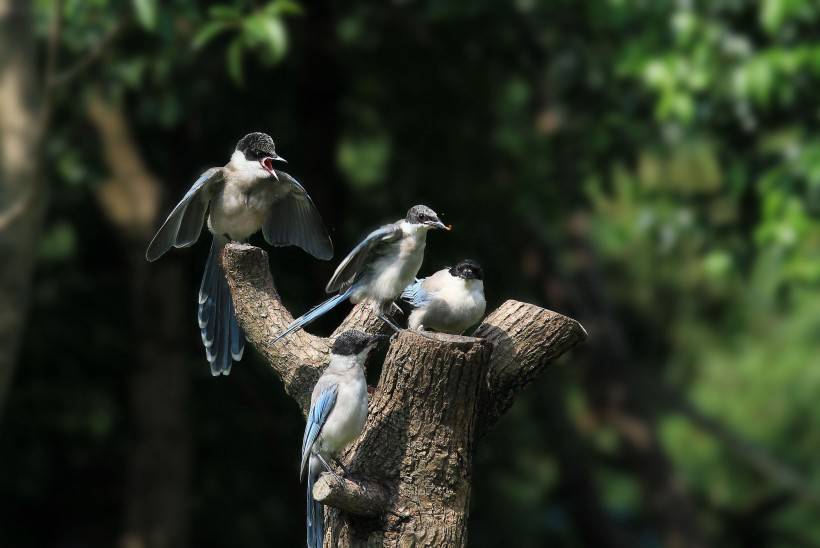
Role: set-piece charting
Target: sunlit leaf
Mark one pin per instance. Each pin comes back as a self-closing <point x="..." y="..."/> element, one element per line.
<point x="208" y="32"/>
<point x="282" y="7"/>
<point x="146" y="12"/>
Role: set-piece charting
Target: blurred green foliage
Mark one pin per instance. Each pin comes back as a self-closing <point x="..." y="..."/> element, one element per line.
<point x="649" y="165"/>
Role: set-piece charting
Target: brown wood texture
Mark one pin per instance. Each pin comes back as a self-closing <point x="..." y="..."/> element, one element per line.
<point x="411" y="468"/>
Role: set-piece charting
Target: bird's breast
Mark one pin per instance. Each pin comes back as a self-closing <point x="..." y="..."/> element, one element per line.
<point x="394" y="271"/>
<point x="455" y="308"/>
<point x="347" y="418"/>
<point x="239" y="211"/>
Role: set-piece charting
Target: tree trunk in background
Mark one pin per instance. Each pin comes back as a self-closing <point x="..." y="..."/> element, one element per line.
<point x="410" y="470"/>
<point x="157" y="500"/>
<point x="22" y="193"/>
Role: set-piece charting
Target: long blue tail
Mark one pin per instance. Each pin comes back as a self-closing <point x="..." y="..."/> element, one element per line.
<point x="223" y="338"/>
<point x="315" y="312"/>
<point x="315" y="510"/>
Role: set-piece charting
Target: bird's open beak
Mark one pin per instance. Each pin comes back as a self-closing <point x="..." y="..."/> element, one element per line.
<point x="267" y="165"/>
<point x="439" y="224"/>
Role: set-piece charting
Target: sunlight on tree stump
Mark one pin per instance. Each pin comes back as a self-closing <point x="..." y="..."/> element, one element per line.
<point x="411" y="468"/>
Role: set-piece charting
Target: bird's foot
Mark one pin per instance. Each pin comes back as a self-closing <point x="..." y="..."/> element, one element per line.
<point x="396" y="309"/>
<point x="389" y="322"/>
<point x="342" y="466"/>
<point x="327" y="467"/>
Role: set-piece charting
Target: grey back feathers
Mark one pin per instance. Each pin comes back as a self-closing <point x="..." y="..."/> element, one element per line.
<point x="349" y="270"/>
<point x="294" y="220"/>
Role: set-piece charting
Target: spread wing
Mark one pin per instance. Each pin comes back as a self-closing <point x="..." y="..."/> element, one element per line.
<point x="368" y="248"/>
<point x="319" y="411"/>
<point x="294" y="220"/>
<point x="183" y="225"/>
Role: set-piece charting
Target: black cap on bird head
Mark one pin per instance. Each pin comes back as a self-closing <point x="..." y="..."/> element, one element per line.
<point x="467" y="269"/>
<point x="259" y="147"/>
<point x="353" y="342"/>
<point x="423" y="215"/>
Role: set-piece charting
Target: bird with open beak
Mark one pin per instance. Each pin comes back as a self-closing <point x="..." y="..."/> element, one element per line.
<point x="239" y="199"/>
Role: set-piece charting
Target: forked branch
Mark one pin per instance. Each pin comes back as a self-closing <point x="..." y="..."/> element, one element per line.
<point x="411" y="466"/>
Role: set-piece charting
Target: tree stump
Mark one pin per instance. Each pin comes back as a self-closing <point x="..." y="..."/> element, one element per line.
<point x="411" y="468"/>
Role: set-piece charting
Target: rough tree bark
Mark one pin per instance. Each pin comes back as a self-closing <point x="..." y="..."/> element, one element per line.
<point x="411" y="469"/>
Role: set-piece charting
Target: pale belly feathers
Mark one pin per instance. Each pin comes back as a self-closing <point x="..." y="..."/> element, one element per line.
<point x="393" y="272"/>
<point x="347" y="418"/>
<point x="239" y="210"/>
<point x="454" y="308"/>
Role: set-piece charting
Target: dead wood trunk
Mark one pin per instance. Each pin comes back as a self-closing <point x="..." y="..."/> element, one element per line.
<point x="411" y="469"/>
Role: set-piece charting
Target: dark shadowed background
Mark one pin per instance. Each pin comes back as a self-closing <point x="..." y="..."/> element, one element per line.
<point x="648" y="167"/>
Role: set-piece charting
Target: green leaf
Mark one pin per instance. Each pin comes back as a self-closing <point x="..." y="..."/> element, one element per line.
<point x="235" y="61"/>
<point x="208" y="32"/>
<point x="253" y="30"/>
<point x="275" y="38"/>
<point x="774" y="14"/>
<point x="282" y="7"/>
<point x="268" y="33"/>
<point x="146" y="11"/>
<point x="225" y="13"/>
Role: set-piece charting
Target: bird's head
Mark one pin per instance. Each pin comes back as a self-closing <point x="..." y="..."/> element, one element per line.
<point x="355" y="343"/>
<point x="467" y="269"/>
<point x="424" y="217"/>
<point x="259" y="151"/>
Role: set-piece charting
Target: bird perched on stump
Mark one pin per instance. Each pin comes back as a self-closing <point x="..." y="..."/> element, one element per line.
<point x="338" y="409"/>
<point x="379" y="268"/>
<point x="239" y="199"/>
<point x="449" y="301"/>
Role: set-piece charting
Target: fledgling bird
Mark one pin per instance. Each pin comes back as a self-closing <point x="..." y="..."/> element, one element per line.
<point x="244" y="196"/>
<point x="379" y="268"/>
<point x="449" y="301"/>
<point x="338" y="409"/>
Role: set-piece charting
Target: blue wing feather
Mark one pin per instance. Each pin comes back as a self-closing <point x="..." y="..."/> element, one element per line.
<point x="415" y="295"/>
<point x="315" y="312"/>
<point x="220" y="331"/>
<point x="319" y="411"/>
<point x="315" y="511"/>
